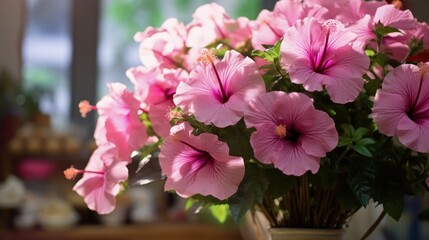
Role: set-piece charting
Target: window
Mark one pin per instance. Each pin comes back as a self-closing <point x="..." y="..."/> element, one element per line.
<point x="47" y="57"/>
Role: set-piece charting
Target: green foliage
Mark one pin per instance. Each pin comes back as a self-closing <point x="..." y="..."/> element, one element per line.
<point x="347" y="199"/>
<point x="327" y="176"/>
<point x="372" y="86"/>
<point x="250" y="191"/>
<point x="189" y="203"/>
<point x="220" y="212"/>
<point x="270" y="54"/>
<point x="275" y="76"/>
<point x="381" y="30"/>
<point x="354" y="139"/>
<point x="389" y="188"/>
<point x="238" y="139"/>
<point x="361" y="179"/>
<point x="278" y="183"/>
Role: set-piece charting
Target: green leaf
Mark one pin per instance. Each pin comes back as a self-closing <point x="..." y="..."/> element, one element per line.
<point x="279" y="183"/>
<point x="362" y="149"/>
<point x="271" y="53"/>
<point x="220" y="212"/>
<point x="369" y="52"/>
<point x="206" y="201"/>
<point x="348" y="130"/>
<point x="189" y="203"/>
<point x="381" y="59"/>
<point x="381" y="30"/>
<point x="415" y="46"/>
<point x="238" y="139"/>
<point x="365" y="141"/>
<point x="250" y="191"/>
<point x="347" y="198"/>
<point x="361" y="179"/>
<point x="372" y="86"/>
<point x="359" y="133"/>
<point x="390" y="187"/>
<point x="344" y="141"/>
<point x="395" y="206"/>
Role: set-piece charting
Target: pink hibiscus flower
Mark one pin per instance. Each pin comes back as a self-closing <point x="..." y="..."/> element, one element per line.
<point x="290" y="132"/>
<point x="154" y="88"/>
<point x="396" y="44"/>
<point x="401" y="106"/>
<point x="163" y="47"/>
<point x="119" y="121"/>
<point x="321" y="54"/>
<point x="269" y="27"/>
<point x="211" y="22"/>
<point x="199" y="164"/>
<point x="390" y="16"/>
<point x="349" y="11"/>
<point x="218" y="91"/>
<point x="101" y="179"/>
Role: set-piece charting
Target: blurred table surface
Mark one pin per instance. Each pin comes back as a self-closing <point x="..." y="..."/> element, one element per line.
<point x="176" y="231"/>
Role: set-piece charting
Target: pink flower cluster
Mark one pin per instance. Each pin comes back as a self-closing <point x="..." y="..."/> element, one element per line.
<point x="183" y="77"/>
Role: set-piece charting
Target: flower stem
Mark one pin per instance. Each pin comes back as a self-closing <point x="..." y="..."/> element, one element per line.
<point x="344" y="154"/>
<point x="374" y="225"/>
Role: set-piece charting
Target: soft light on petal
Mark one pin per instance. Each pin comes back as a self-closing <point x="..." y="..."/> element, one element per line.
<point x="401" y="106"/>
<point x="199" y="165"/>
<point x="218" y="93"/>
<point x="290" y="132"/>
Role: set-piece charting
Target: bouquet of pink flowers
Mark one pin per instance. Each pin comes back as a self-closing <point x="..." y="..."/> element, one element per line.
<point x="307" y="113"/>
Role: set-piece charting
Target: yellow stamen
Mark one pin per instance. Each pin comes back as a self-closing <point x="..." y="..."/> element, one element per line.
<point x="174" y="114"/>
<point x="70" y="173"/>
<point x="85" y="107"/>
<point x="280" y="131"/>
<point x="208" y="56"/>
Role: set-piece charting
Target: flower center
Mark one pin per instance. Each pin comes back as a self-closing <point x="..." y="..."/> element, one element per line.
<point x="71" y="173"/>
<point x="200" y="157"/>
<point x="282" y="132"/>
<point x="319" y="63"/>
<point x="169" y="92"/>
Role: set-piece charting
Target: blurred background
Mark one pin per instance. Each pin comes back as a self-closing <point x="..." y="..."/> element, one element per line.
<point x="54" y="54"/>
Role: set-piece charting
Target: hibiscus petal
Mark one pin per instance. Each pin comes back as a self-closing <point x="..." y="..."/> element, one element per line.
<point x="320" y="135"/>
<point x="413" y="135"/>
<point x="265" y="143"/>
<point x="158" y="114"/>
<point x="202" y="95"/>
<point x="294" y="161"/>
<point x="219" y="180"/>
<point x="388" y="15"/>
<point x="199" y="165"/>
